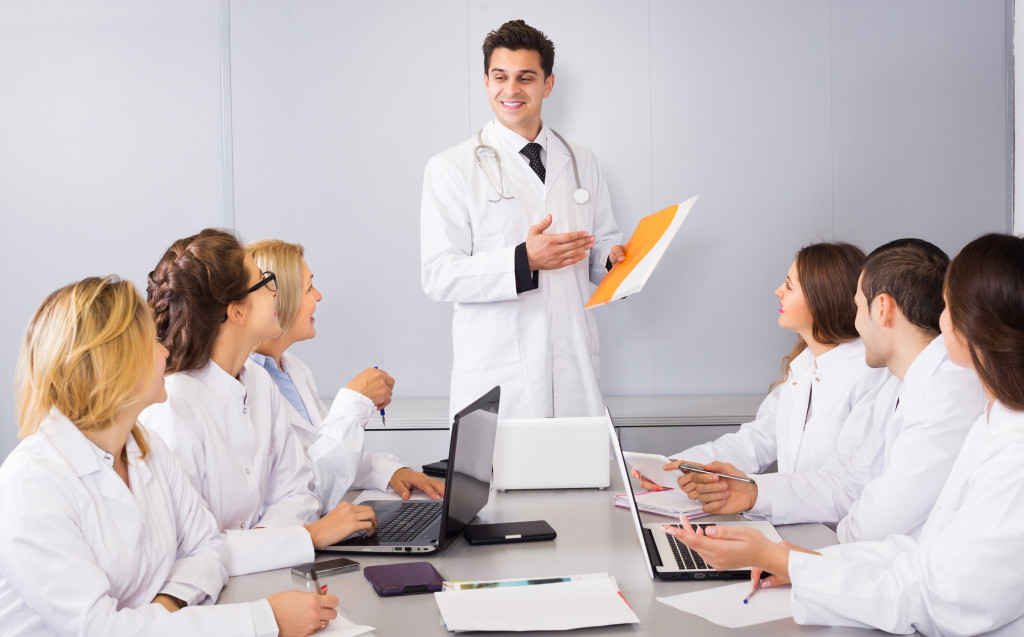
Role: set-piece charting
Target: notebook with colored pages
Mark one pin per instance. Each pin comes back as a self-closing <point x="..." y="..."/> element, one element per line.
<point x="643" y="251"/>
<point x="671" y="504"/>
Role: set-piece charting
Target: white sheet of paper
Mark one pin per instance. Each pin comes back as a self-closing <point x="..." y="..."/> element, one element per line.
<point x="560" y="606"/>
<point x="344" y="627"/>
<point x="724" y="605"/>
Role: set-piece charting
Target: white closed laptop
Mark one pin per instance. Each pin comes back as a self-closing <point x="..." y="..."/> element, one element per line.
<point x="552" y="453"/>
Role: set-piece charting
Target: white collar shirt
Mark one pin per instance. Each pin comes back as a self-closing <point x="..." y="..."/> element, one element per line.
<point x="81" y="552"/>
<point x="516" y="142"/>
<point x="233" y="438"/>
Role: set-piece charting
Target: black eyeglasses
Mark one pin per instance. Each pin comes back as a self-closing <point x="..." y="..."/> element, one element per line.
<point x="269" y="279"/>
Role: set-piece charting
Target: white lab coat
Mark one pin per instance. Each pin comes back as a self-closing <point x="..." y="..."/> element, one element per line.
<point x="82" y="553"/>
<point x="802" y="422"/>
<point x="237" y="448"/>
<point x="888" y="484"/>
<point x="962" y="576"/>
<point x="334" y="440"/>
<point x="540" y="346"/>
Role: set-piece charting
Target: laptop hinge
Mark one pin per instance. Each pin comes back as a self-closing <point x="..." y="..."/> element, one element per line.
<point x="652" y="549"/>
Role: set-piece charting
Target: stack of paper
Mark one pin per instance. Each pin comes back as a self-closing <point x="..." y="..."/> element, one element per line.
<point x="555" y="603"/>
<point x="671" y="503"/>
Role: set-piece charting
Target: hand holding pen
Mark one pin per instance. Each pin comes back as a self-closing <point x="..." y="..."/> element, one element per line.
<point x="376" y="385"/>
<point x="721" y="487"/>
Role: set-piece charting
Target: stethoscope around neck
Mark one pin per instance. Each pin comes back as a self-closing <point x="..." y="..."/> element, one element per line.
<point x="581" y="195"/>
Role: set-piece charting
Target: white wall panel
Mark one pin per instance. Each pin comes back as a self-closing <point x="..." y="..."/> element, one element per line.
<point x="110" y="147"/>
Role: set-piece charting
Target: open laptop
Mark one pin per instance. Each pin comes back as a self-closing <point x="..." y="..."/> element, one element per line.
<point x="666" y="557"/>
<point x="427" y="526"/>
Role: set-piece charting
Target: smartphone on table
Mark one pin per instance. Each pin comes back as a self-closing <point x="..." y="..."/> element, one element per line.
<point x="332" y="566"/>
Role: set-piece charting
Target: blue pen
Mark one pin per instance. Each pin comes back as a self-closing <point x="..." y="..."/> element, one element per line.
<point x="383" y="420"/>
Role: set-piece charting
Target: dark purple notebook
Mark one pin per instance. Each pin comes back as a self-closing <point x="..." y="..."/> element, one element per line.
<point x="406" y="578"/>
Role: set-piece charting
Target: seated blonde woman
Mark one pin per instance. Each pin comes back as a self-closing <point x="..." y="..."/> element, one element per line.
<point x="101" y="531"/>
<point x="333" y="438"/>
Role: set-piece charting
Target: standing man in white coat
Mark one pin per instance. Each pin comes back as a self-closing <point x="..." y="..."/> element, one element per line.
<point x="516" y="223"/>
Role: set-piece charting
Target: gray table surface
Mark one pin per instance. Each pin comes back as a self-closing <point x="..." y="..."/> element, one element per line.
<point x="593" y="536"/>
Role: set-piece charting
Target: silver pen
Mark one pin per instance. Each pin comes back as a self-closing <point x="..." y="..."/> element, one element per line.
<point x="686" y="467"/>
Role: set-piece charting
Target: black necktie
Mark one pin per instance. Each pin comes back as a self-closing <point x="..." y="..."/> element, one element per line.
<point x="532" y="152"/>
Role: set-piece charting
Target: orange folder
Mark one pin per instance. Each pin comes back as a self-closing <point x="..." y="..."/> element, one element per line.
<point x="643" y="252"/>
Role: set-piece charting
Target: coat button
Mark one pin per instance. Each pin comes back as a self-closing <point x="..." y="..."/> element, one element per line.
<point x="247" y="471"/>
<point x="245" y="410"/>
<point x="241" y="525"/>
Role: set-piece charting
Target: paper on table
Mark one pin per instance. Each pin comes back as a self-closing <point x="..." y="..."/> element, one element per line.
<point x="558" y="606"/>
<point x="342" y="626"/>
<point x="724" y="605"/>
<point x="643" y="251"/>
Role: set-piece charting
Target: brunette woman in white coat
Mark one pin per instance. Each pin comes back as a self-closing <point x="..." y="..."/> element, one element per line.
<point x="333" y="439"/>
<point x="962" y="575"/>
<point x="824" y="400"/>
<point x="224" y="418"/>
<point x="101" y="532"/>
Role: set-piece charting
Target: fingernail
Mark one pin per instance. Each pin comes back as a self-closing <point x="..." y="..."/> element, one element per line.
<point x="766" y="584"/>
<point x="323" y="588"/>
<point x="711" y="531"/>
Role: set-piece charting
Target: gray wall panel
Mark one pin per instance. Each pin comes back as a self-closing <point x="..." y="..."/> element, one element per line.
<point x="740" y="116"/>
<point x="921" y="120"/>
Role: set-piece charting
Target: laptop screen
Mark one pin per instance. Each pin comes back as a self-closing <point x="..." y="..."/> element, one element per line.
<point x="469" y="462"/>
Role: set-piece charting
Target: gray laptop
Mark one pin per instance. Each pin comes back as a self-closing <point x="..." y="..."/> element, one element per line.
<point x="666" y="557"/>
<point x="427" y="526"/>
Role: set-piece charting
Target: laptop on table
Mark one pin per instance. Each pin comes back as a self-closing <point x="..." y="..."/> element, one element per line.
<point x="666" y="557"/>
<point x="428" y="526"/>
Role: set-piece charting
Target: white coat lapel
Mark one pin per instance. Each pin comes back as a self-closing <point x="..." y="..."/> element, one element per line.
<point x="558" y="159"/>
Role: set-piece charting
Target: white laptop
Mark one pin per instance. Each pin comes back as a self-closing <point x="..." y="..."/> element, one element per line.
<point x="666" y="557"/>
<point x="551" y="453"/>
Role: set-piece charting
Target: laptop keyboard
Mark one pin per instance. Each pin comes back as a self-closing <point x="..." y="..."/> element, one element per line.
<point x="685" y="558"/>
<point x="408" y="521"/>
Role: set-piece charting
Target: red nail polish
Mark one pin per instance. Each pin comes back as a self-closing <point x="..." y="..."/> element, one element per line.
<point x="323" y="588"/>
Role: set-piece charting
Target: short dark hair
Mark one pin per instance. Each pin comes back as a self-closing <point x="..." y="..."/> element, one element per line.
<point x="516" y="35"/>
<point x="911" y="271"/>
<point x="985" y="289"/>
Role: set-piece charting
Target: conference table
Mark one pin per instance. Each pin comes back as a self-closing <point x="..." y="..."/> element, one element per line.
<point x="593" y="536"/>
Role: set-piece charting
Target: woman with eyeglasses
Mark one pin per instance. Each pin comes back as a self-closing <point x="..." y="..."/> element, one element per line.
<point x="224" y="418"/>
<point x="333" y="438"/>
<point x="962" y="574"/>
<point x="100" y="531"/>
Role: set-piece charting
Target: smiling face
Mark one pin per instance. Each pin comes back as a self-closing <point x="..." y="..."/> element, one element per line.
<point x="876" y="346"/>
<point x="303" y="327"/>
<point x="261" y="317"/>
<point x="516" y="88"/>
<point x="794" y="314"/>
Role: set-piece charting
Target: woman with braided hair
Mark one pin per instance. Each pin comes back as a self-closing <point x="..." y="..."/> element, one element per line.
<point x="224" y="417"/>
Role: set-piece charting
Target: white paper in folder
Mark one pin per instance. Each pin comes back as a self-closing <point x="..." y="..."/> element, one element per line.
<point x="580" y="603"/>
